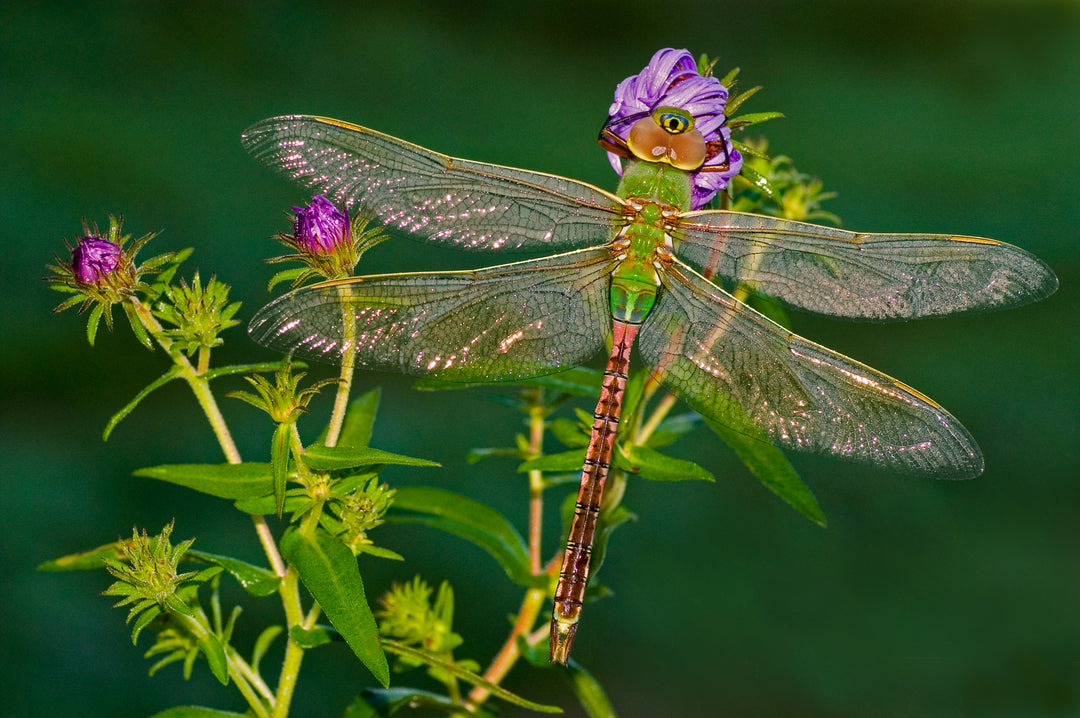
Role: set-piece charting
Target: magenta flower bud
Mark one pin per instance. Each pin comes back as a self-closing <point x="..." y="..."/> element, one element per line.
<point x="320" y="227"/>
<point x="671" y="80"/>
<point x="94" y="260"/>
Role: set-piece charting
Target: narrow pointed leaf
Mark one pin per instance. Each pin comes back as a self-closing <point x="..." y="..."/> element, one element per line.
<point x="673" y="428"/>
<point x="262" y="645"/>
<point x="328" y="570"/>
<point x="260" y="368"/>
<point x="279" y="463"/>
<point x="255" y="580"/>
<point x="227" y="481"/>
<point x="326" y="458"/>
<point x="313" y="638"/>
<point x="196" y="712"/>
<point x="569" y="433"/>
<point x="468" y="676"/>
<point x="261" y="505"/>
<point x="137" y="327"/>
<point x="359" y="419"/>
<point x="467" y="519"/>
<point x="214" y="651"/>
<point x="655" y="466"/>
<point x="588" y="691"/>
<point x="580" y="381"/>
<point x="772" y="468"/>
<point x="387" y="702"/>
<point x="566" y="461"/>
<point x="93" y="322"/>
<point x="82" y="561"/>
<point x="359" y="708"/>
<point x="161" y="381"/>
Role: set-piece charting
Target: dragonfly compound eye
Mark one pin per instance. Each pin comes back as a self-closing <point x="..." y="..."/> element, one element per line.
<point x="651" y="142"/>
<point x="673" y="120"/>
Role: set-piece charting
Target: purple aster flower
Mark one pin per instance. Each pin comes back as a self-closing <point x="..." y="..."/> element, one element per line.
<point x="320" y="227"/>
<point x="666" y="113"/>
<point x="95" y="260"/>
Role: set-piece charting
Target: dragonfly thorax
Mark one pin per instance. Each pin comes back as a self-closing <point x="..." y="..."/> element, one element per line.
<point x="656" y="183"/>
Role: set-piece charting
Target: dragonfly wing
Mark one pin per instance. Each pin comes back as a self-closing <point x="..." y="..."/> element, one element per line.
<point x="500" y="323"/>
<point x="436" y="198"/>
<point x="861" y="276"/>
<point x="733" y="365"/>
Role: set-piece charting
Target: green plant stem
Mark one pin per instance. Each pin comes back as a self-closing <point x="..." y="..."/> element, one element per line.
<point x="509" y="653"/>
<point x="659" y="413"/>
<point x="199" y="627"/>
<point x="536" y="480"/>
<point x="200" y="387"/>
<point x="348" y="365"/>
<point x="289" y="590"/>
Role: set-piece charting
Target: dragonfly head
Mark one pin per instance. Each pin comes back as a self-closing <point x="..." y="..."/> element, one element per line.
<point x="668" y="135"/>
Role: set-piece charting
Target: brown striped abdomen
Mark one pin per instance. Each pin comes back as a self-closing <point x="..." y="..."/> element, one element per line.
<point x="574" y="574"/>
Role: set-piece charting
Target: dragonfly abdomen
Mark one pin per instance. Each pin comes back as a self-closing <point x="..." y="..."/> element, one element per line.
<point x="574" y="574"/>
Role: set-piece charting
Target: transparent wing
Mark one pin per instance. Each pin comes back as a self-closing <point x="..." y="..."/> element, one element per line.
<point x="861" y="276"/>
<point x="500" y="323"/>
<point x="737" y="367"/>
<point x="454" y="202"/>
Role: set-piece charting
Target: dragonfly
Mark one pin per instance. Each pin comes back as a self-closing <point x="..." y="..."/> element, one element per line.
<point x="633" y="268"/>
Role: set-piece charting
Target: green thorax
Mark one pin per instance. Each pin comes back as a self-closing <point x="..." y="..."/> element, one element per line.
<point x="655" y="186"/>
<point x="658" y="182"/>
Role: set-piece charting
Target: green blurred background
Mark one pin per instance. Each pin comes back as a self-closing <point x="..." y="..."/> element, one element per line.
<point x="920" y="599"/>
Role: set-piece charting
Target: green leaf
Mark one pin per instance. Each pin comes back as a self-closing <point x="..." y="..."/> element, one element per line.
<point x="389" y="701"/>
<point x="468" y="676"/>
<point x="754" y="118"/>
<point x="566" y="461"/>
<point x="328" y="570"/>
<point x="279" y="463"/>
<point x="569" y="433"/>
<point x="635" y="388"/>
<point x="359" y="419"/>
<point x="295" y="500"/>
<point x="474" y="456"/>
<point x="312" y="638"/>
<point x="770" y="307"/>
<point x="262" y="645"/>
<point x="84" y="560"/>
<point x="227" y="481"/>
<point x="580" y="381"/>
<point x="467" y="519"/>
<point x="214" y="651"/>
<point x="286" y="275"/>
<point x="137" y="327"/>
<point x="93" y="322"/>
<point x="771" y="468"/>
<point x="673" y="428"/>
<point x="255" y="580"/>
<point x="655" y="466"/>
<point x="359" y="708"/>
<point x="161" y="381"/>
<point x="196" y="712"/>
<point x="259" y="368"/>
<point x="327" y="458"/>
<point x="588" y="691"/>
